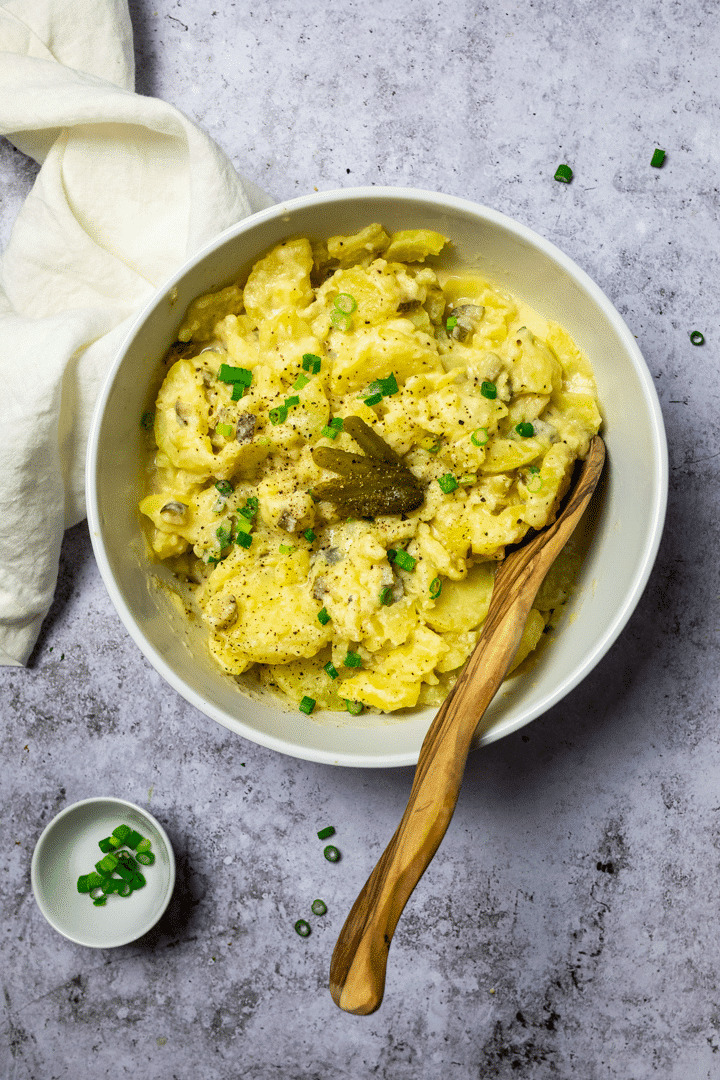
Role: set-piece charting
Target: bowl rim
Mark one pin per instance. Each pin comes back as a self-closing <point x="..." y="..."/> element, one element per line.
<point x="550" y="251"/>
<point x="35" y="876"/>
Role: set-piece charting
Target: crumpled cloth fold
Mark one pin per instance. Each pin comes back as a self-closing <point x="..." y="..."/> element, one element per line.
<point x="128" y="189"/>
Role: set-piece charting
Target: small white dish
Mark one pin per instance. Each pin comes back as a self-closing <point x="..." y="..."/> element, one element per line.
<point x="68" y="848"/>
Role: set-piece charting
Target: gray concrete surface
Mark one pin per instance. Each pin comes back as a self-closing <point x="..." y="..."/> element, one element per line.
<point x="568" y="927"/>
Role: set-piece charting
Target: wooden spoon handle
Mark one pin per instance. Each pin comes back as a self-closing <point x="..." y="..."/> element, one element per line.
<point x="357" y="970"/>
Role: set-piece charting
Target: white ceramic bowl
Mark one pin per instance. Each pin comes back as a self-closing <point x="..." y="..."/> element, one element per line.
<point x="629" y="511"/>
<point x="68" y="848"/>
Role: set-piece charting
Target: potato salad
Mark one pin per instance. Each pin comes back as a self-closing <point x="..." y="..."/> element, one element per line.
<point x="343" y="445"/>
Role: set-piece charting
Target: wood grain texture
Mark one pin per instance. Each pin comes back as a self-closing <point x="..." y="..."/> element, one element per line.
<point x="357" y="970"/>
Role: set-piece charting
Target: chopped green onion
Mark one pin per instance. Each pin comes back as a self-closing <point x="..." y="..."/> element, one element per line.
<point x="525" y="430"/>
<point x="105" y="844"/>
<point x="374" y="399"/>
<point x="564" y="174"/>
<point x="224" y="534"/>
<point x="353" y="659"/>
<point x="658" y="158"/>
<point x="302" y="380"/>
<point x="145" y="858"/>
<point x="433" y="449"/>
<point x="138" y="880"/>
<point x="250" y="509"/>
<point x="230" y="374"/>
<point x="107" y="865"/>
<point x="132" y="839"/>
<point x="286" y="549"/>
<point x="109" y="885"/>
<point x="329" y="432"/>
<point x="144" y="845"/>
<point x="404" y="561"/>
<point x="346" y="303"/>
<point x="94" y="880"/>
<point x="147" y="420"/>
<point x="114" y="842"/>
<point x="697" y="338"/>
<point x="479" y="436"/>
<point x="126" y="873"/>
<point x="238" y="391"/>
<point x="330" y="670"/>
<point x="83" y="885"/>
<point x="244" y="539"/>
<point x="290" y="401"/>
<point x="388" y="386"/>
<point x="488" y="390"/>
<point x="451" y="323"/>
<point x="307" y="705"/>
<point x="318" y="907"/>
<point x="124" y="888"/>
<point x="309" y="535"/>
<point x="101" y="901"/>
<point x="323" y="616"/>
<point x="331" y="853"/>
<point x="447" y="483"/>
<point x="326" y="833"/>
<point x="279" y="414"/>
<point x="435" y="588"/>
<point x="354" y="707"/>
<point x="337" y="422"/>
<point x="225" y="488"/>
<point x="311" y="362"/>
<point x="391" y="553"/>
<point x="386" y="595"/>
<point x="303" y="928"/>
<point x="340" y="320"/>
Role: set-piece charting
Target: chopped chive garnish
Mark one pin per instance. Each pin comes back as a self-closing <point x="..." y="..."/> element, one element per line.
<point x="346" y="303"/>
<point x="525" y="430"/>
<point x="697" y="338"/>
<point x="147" y="420"/>
<point x="105" y="844"/>
<point x="386" y="595"/>
<point x="318" y="907"/>
<point x="227" y="373"/>
<point x="311" y="362"/>
<point x="138" y="880"/>
<point x="658" y="158"/>
<point x="326" y="833"/>
<point x="479" y="436"/>
<point x="302" y="380"/>
<point x="286" y="549"/>
<point x="83" y="885"/>
<point x="354" y="707"/>
<point x="124" y="888"/>
<point x="447" y="484"/>
<point x="433" y="449"/>
<point x="451" y="323"/>
<point x="244" y="539"/>
<point x="250" y="509"/>
<point x="132" y="839"/>
<point x="292" y="400"/>
<point x="340" y="320"/>
<point x="352" y="659"/>
<point x="115" y="843"/>
<point x="225" y="488"/>
<point x="337" y="422"/>
<point x="404" y="561"/>
<point x="238" y="391"/>
<point x="330" y="670"/>
<point x="108" y="864"/>
<point x="564" y="174"/>
<point x="302" y="927"/>
<point x="224" y="534"/>
<point x="330" y="431"/>
<point x="144" y="845"/>
<point x="307" y="705"/>
<point x="145" y="858"/>
<point x="331" y="853"/>
<point x="101" y="901"/>
<point x="388" y="386"/>
<point x="94" y="880"/>
<point x="309" y="535"/>
<point x="323" y="616"/>
<point x="435" y="588"/>
<point x="488" y="390"/>
<point x="278" y="415"/>
<point x="374" y="399"/>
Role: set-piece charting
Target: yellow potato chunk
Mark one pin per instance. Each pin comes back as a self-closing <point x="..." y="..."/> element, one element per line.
<point x="414" y="245"/>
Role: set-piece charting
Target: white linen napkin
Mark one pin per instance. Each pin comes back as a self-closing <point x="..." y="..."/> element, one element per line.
<point x="129" y="188"/>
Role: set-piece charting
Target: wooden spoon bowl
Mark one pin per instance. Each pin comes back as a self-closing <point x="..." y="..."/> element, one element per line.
<point x="357" y="970"/>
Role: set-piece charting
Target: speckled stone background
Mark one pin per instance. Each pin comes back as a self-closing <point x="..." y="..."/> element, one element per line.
<point x="568" y="926"/>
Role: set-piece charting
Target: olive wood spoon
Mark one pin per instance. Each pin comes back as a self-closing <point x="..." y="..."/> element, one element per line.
<point x="357" y="969"/>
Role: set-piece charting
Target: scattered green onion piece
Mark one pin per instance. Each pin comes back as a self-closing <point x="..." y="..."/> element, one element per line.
<point x="353" y="659"/>
<point x="145" y="858"/>
<point x="144" y="845"/>
<point x="307" y="705"/>
<point x="374" y="399"/>
<point x="83" y="885"/>
<point x="133" y="839"/>
<point x="238" y="391"/>
<point x="147" y="420"/>
<point x="658" y="158"/>
<point x="330" y="670"/>
<point x="479" y="436"/>
<point x="323" y="616"/>
<point x="230" y="374"/>
<point x="386" y="596"/>
<point x="94" y="880"/>
<point x="123" y="831"/>
<point x="108" y="864"/>
<point x="244" y="539"/>
<point x="302" y="380"/>
<point x="564" y="174"/>
<point x="451" y="323"/>
<point x="346" y="303"/>
<point x="225" y="429"/>
<point x="331" y="853"/>
<point x="125" y="873"/>
<point x="337" y="422"/>
<point x="224" y="534"/>
<point x="434" y="449"/>
<point x="340" y="320"/>
<point x="326" y="833"/>
<point x="292" y="400"/>
<point x="124" y="888"/>
<point x="525" y="430"/>
<point x="354" y="707"/>
<point x="225" y="488"/>
<point x="250" y="509"/>
<point x="311" y="362"/>
<point x="697" y="338"/>
<point x="329" y="432"/>
<point x="404" y="561"/>
<point x="309" y="535"/>
<point x="318" y="907"/>
<point x="278" y="415"/>
<point x="286" y="549"/>
<point x="109" y="886"/>
<point x="138" y="880"/>
<point x="105" y="844"/>
<point x="114" y="842"/>
<point x="447" y="484"/>
<point x="488" y="390"/>
<point x="302" y="927"/>
<point x="388" y="386"/>
<point x="127" y="860"/>
<point x="435" y="588"/>
<point x="100" y="902"/>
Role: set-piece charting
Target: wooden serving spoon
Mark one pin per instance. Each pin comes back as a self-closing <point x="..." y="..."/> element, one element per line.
<point x="357" y="970"/>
